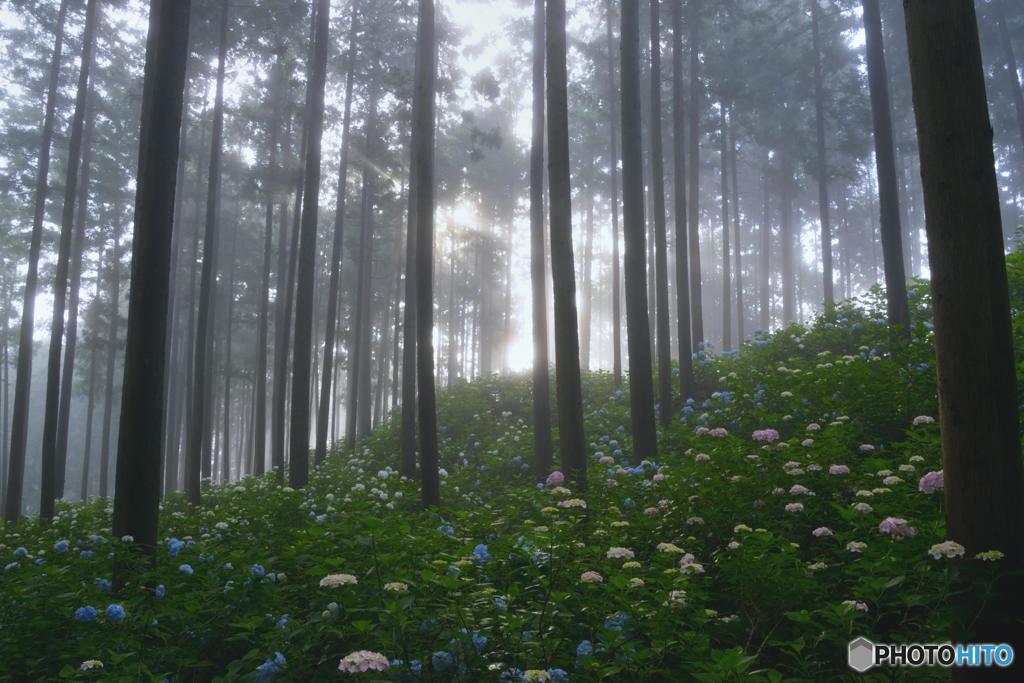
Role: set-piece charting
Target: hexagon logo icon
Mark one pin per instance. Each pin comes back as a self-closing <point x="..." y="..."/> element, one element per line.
<point x="861" y="655"/>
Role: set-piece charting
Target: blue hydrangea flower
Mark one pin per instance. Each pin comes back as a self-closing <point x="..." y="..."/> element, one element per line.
<point x="558" y="676"/>
<point x="442" y="660"/>
<point x="257" y="570"/>
<point x="283" y="621"/>
<point x="447" y="529"/>
<point x="584" y="649"/>
<point x="500" y="603"/>
<point x="85" y="614"/>
<point x="271" y="667"/>
<point x="481" y="554"/>
<point x="186" y="569"/>
<point x="160" y="591"/>
<point x="174" y="546"/>
<point x="103" y="585"/>
<point x="61" y="546"/>
<point x="115" y="612"/>
<point x="20" y="551"/>
<point x="86" y="554"/>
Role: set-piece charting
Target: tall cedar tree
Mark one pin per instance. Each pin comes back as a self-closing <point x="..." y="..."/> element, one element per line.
<point x="91" y="401"/>
<point x="408" y="418"/>
<point x="693" y="224"/>
<point x="981" y="457"/>
<point x="737" y="251"/>
<point x="201" y="421"/>
<point x="571" y="442"/>
<point x="613" y="189"/>
<point x="765" y="274"/>
<point x="822" y="162"/>
<point x="885" y="160"/>
<point x="23" y="376"/>
<point x="327" y="373"/>
<point x="1012" y="74"/>
<point x="664" y="343"/>
<point x="298" y="467"/>
<point x="137" y="490"/>
<point x="422" y="166"/>
<point x="726" y="274"/>
<point x="538" y="262"/>
<point x="48" y="483"/>
<point x="641" y="391"/>
<point x="113" y="318"/>
<point x="679" y="187"/>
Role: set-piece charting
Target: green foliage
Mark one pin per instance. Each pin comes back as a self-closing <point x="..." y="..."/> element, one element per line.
<point x="723" y="576"/>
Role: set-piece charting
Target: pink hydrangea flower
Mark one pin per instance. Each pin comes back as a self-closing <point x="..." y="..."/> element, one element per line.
<point x="822" y="531"/>
<point x="794" y="507"/>
<point x="838" y="469"/>
<point x="931" y="482"/>
<point x="556" y="478"/>
<point x="719" y="432"/>
<point x="362" y="661"/>
<point x="807" y="443"/>
<point x="768" y="435"/>
<point x="866" y="448"/>
<point x="606" y="460"/>
<point x="923" y="420"/>
<point x="813" y="427"/>
<point x="896" y="527"/>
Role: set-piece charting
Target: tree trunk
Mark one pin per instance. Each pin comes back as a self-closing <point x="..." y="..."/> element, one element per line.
<point x="339" y="233"/>
<point x="114" y="314"/>
<point x="1011" y="67"/>
<point x="664" y="344"/>
<point x="885" y="159"/>
<point x="588" y="293"/>
<point x="786" y="239"/>
<point x="91" y="405"/>
<point x="766" y="252"/>
<point x="298" y="469"/>
<point x="737" y="247"/>
<point x="693" y="224"/>
<point x="137" y="493"/>
<point x="571" y="442"/>
<point x="75" y="285"/>
<point x="641" y="391"/>
<point x="984" y="486"/>
<point x="200" y="423"/>
<point x="723" y="136"/>
<point x="614" y="201"/>
<point x="408" y="420"/>
<point x="422" y="168"/>
<point x="683" y="315"/>
<point x="229" y="297"/>
<point x="23" y="376"/>
<point x="828" y="292"/>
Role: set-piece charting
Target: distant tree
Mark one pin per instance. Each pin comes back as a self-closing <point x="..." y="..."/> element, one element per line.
<point x="201" y="421"/>
<point x="327" y="373"/>
<point x="571" y="442"/>
<point x="137" y="492"/>
<point x="885" y="159"/>
<point x="641" y="391"/>
<point x="981" y="456"/>
<point x="422" y="167"/>
<point x="693" y="222"/>
<point x="822" y="170"/>
<point x="613" y="183"/>
<point x="23" y="377"/>
<point x="298" y="467"/>
<point x="723" y="135"/>
<point x="680" y="204"/>
<point x="664" y="344"/>
<point x="538" y="261"/>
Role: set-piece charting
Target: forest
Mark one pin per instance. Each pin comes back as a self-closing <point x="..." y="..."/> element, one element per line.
<point x="511" y="340"/>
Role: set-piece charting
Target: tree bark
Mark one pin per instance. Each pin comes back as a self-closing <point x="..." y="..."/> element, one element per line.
<point x="614" y="202"/>
<point x="91" y="404"/>
<point x="693" y="224"/>
<point x="571" y="442"/>
<point x="683" y="315"/>
<point x="885" y="159"/>
<point x="984" y="485"/>
<point x="588" y="283"/>
<point x="114" y="313"/>
<point x="641" y="391"/>
<point x="339" y="233"/>
<point x="737" y="246"/>
<point x="723" y="135"/>
<point x="828" y="292"/>
<point x="137" y="494"/>
<point x="298" y="468"/>
<point x="23" y="374"/>
<point x="766" y="252"/>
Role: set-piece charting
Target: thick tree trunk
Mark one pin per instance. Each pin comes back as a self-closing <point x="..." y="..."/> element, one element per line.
<point x="137" y="494"/>
<point x="91" y="404"/>
<point x="641" y="391"/>
<point x="74" y="288"/>
<point x="828" y="292"/>
<point x="336" y="249"/>
<point x="298" y="469"/>
<point x="422" y="168"/>
<point x="723" y="135"/>
<point x="229" y="296"/>
<point x="538" y="261"/>
<point x="200" y="423"/>
<point x="408" y="420"/>
<point x="614" y="200"/>
<point x="984" y="486"/>
<point x="23" y="376"/>
<point x="571" y="443"/>
<point x="114" y="314"/>
<point x="885" y="159"/>
<point x="683" y="315"/>
<point x="664" y="344"/>
<point x="693" y="224"/>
